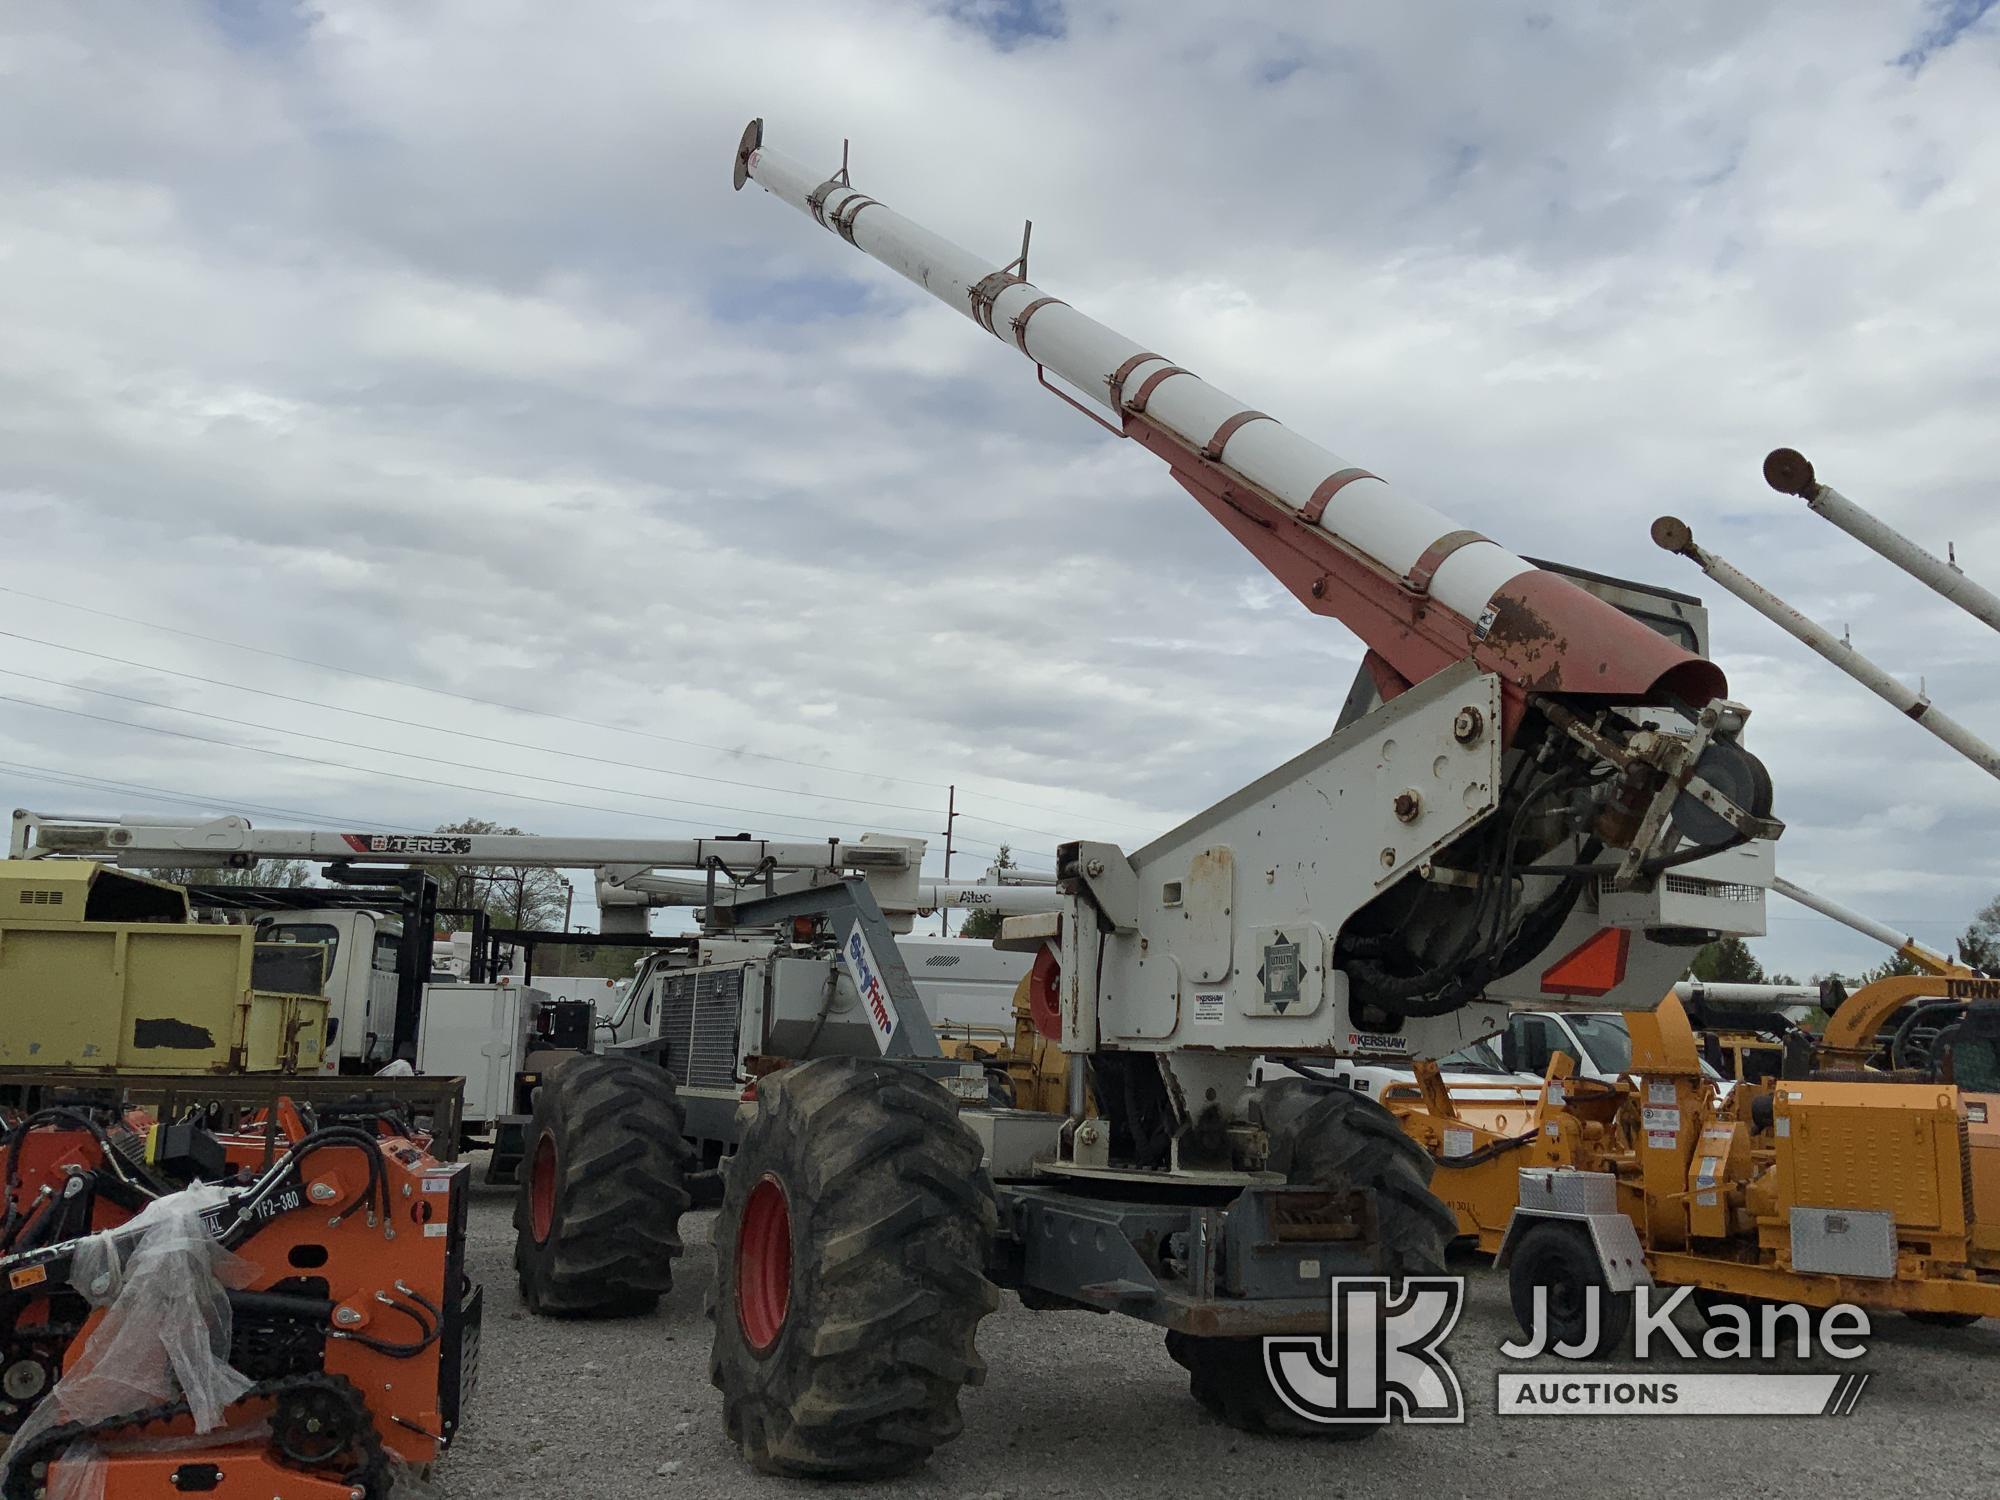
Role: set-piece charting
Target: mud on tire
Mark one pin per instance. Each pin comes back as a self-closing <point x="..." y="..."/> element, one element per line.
<point x="1338" y="1139"/>
<point x="850" y="1279"/>
<point x="597" y="1215"/>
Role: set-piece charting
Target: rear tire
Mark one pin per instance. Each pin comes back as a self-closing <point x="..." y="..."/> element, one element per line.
<point x="597" y="1216"/>
<point x="849" y="1272"/>
<point x="1332" y="1138"/>
<point x="1561" y="1258"/>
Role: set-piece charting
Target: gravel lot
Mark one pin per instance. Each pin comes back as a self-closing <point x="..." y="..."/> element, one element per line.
<point x="1076" y="1404"/>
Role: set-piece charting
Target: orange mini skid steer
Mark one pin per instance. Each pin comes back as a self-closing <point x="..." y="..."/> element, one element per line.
<point x="337" y="1250"/>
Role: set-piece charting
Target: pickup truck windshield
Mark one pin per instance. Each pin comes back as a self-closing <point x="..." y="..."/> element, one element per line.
<point x="1480" y="1057"/>
<point x="1606" y="1040"/>
<point x="1609" y="1043"/>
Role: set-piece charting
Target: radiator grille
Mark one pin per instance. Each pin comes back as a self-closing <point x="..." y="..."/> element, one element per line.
<point x="37" y="897"/>
<point x="699" y="1013"/>
<point x="1715" y="890"/>
<point x="1965" y="1168"/>
<point x="1694" y="885"/>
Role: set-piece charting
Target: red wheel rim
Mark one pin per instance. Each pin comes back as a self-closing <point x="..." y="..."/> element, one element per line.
<point x="764" y="1264"/>
<point x="542" y="1189"/>
<point x="1044" y="1002"/>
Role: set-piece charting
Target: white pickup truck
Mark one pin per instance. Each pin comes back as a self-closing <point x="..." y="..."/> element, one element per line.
<point x="1474" y="1073"/>
<point x="1599" y="1041"/>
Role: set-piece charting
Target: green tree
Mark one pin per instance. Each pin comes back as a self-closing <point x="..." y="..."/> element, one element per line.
<point x="1979" y="945"/>
<point x="985" y="922"/>
<point x="286" y="874"/>
<point x="523" y="896"/>
<point x="1727" y="961"/>
<point x="1890" y="968"/>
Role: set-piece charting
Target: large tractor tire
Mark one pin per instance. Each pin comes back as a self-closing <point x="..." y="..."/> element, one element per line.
<point x="1331" y="1138"/>
<point x="603" y="1186"/>
<point x="849" y="1272"/>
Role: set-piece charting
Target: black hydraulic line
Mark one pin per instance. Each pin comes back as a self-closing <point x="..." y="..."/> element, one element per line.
<point x="279" y="1305"/>
<point x="1487" y="1152"/>
<point x="10" y="1225"/>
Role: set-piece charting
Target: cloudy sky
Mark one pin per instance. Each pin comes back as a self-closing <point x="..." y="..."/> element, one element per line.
<point x="401" y="419"/>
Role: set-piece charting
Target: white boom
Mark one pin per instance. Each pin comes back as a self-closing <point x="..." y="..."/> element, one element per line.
<point x="891" y="865"/>
<point x="1788" y="472"/>
<point x="1916" y="952"/>
<point x="1392" y="529"/>
<point x="1747" y="994"/>
<point x="1478" y="599"/>
<point x="1674" y="535"/>
<point x="232" y="841"/>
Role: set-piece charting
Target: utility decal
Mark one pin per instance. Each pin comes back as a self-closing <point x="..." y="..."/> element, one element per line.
<point x="1280" y="974"/>
<point x="1377" y="1041"/>
<point x="413" y="844"/>
<point x="869" y="984"/>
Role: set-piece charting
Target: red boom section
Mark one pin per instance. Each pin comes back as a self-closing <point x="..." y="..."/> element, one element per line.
<point x="1540" y="633"/>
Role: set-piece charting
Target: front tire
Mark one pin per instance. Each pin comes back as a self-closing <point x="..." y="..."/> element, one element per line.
<point x="849" y="1280"/>
<point x="597" y="1217"/>
<point x="1338" y="1139"/>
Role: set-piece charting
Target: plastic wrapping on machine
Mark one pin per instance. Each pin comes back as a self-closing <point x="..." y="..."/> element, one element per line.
<point x="164" y="1337"/>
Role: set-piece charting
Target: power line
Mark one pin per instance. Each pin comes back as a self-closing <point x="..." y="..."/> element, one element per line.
<point x="490" y="739"/>
<point x="619" y="812"/>
<point x="514" y="708"/>
<point x="531" y="712"/>
<point x="585" y="786"/>
<point x="189" y="799"/>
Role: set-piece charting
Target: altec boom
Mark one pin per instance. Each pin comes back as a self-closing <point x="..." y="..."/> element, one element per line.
<point x="1420" y="589"/>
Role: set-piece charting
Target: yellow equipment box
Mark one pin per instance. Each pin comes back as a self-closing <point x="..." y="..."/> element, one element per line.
<point x="102" y="971"/>
<point x="1895" y="1148"/>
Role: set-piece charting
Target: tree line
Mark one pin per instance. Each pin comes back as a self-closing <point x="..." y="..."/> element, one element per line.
<point x="1730" y="961"/>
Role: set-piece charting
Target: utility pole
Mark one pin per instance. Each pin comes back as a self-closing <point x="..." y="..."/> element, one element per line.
<point x="950" y="820"/>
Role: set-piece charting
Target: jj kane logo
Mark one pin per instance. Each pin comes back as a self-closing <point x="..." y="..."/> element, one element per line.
<point x="1382" y="1358"/>
<point x="1739" y="1334"/>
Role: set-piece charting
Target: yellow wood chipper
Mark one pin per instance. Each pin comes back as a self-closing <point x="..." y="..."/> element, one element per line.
<point x="1843" y="1184"/>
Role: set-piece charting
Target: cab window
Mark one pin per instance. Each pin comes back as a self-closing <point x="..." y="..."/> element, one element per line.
<point x="1536" y="1039"/>
<point x="302" y="932"/>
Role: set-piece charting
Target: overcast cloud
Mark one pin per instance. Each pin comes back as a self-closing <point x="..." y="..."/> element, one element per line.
<point x="430" y="341"/>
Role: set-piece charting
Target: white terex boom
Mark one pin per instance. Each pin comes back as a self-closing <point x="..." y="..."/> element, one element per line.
<point x="892" y="866"/>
